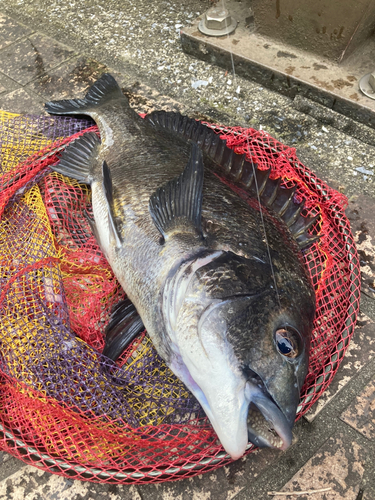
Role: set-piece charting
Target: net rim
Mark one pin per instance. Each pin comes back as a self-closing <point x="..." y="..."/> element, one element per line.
<point x="313" y="392"/>
<point x="98" y="473"/>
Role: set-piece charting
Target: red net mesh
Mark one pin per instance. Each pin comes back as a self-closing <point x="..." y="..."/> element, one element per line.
<point x="63" y="406"/>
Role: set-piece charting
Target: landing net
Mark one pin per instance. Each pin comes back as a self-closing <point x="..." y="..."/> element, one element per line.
<point x="63" y="406"/>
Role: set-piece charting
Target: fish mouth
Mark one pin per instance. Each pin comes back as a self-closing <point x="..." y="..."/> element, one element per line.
<point x="240" y="410"/>
<point x="267" y="426"/>
<point x="267" y="432"/>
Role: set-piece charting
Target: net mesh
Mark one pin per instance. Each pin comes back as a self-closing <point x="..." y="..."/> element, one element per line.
<point x="66" y="408"/>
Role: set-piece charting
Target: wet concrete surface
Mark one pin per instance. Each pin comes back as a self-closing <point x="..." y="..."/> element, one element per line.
<point x="72" y="76"/>
<point x="361" y="413"/>
<point x="32" y="57"/>
<point x="338" y="466"/>
<point x="360" y="351"/>
<point x="283" y="67"/>
<point x="56" y="50"/>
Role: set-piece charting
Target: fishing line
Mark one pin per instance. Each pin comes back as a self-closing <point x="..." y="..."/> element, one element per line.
<point x="256" y="185"/>
<point x="263" y="224"/>
<point x="230" y="52"/>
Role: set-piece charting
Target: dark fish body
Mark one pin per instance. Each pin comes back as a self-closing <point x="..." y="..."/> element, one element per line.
<point x="193" y="258"/>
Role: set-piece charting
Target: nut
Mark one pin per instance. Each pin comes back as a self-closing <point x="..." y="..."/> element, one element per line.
<point x="217" y="22"/>
<point x="217" y="18"/>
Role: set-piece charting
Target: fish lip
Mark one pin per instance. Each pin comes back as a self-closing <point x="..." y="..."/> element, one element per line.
<point x="272" y="414"/>
<point x="231" y="432"/>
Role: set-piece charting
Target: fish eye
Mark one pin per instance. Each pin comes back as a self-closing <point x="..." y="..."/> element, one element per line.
<point x="288" y="342"/>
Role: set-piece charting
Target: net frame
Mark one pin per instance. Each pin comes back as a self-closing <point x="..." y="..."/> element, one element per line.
<point x="13" y="442"/>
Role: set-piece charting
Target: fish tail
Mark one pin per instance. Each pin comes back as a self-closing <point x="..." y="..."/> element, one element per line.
<point x="105" y="89"/>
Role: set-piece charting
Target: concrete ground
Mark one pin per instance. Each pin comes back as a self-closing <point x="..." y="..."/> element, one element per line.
<point x="51" y="50"/>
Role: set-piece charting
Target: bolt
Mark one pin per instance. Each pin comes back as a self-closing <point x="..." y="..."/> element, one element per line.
<point x="217" y="18"/>
<point x="217" y="21"/>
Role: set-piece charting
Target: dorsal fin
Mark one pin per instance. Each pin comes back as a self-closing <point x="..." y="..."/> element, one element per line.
<point x="177" y="206"/>
<point x="238" y="170"/>
<point x="103" y="90"/>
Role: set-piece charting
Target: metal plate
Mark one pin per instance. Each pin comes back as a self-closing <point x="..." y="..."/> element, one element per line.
<point x="285" y="68"/>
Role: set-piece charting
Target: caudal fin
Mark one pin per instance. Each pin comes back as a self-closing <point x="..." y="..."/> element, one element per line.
<point x="105" y="89"/>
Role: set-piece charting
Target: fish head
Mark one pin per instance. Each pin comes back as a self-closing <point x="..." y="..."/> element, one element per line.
<point x="274" y="358"/>
<point x="242" y="337"/>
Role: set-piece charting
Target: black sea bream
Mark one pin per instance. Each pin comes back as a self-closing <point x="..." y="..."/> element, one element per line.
<point x="194" y="260"/>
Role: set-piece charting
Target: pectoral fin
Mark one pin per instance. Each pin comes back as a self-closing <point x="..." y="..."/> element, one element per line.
<point x="176" y="207"/>
<point x="92" y="225"/>
<point x="114" y="231"/>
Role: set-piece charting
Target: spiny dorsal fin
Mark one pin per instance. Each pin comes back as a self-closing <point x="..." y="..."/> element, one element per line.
<point x="290" y="211"/>
<point x="124" y="326"/>
<point x="79" y="158"/>
<point x="177" y="206"/>
<point x="238" y="169"/>
<point x="114" y="232"/>
<point x="300" y="228"/>
<point x="103" y="90"/>
<point x="284" y="201"/>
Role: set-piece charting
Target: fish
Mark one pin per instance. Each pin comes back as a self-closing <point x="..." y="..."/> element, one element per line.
<point x="216" y="279"/>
